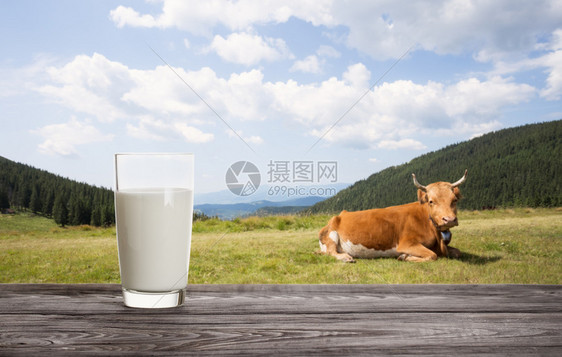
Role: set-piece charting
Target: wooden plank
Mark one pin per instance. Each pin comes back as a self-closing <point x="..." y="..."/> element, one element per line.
<point x="465" y="333"/>
<point x="286" y="320"/>
<point x="328" y="334"/>
<point x="65" y="298"/>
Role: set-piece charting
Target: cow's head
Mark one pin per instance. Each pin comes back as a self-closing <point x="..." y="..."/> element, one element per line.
<point x="441" y="198"/>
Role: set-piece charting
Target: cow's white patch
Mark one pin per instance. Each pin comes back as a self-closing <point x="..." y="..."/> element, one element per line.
<point x="323" y="248"/>
<point x="335" y="237"/>
<point x="360" y="251"/>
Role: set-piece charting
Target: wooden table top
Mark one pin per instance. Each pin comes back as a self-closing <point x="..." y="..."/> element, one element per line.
<point x="295" y="320"/>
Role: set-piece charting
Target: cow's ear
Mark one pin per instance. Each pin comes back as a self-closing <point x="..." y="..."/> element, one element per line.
<point x="457" y="193"/>
<point x="422" y="196"/>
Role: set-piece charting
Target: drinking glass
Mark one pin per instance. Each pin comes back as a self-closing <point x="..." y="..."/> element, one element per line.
<point x="154" y="212"/>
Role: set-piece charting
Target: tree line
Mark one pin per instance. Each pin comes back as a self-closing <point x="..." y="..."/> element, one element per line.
<point x="514" y="167"/>
<point x="66" y="201"/>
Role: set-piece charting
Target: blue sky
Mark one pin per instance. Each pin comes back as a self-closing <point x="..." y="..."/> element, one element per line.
<point x="82" y="80"/>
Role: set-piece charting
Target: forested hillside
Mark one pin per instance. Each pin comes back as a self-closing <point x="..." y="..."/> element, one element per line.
<point x="68" y="202"/>
<point x="519" y="166"/>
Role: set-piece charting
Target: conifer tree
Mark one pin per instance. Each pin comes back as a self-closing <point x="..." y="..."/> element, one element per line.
<point x="35" y="203"/>
<point x="60" y="212"/>
<point x="4" y="200"/>
<point x="48" y="203"/>
<point x="95" y="219"/>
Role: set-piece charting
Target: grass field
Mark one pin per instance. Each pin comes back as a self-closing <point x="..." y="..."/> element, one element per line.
<point x="500" y="246"/>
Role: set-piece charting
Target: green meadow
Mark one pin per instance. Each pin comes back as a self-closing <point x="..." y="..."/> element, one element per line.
<point x="520" y="246"/>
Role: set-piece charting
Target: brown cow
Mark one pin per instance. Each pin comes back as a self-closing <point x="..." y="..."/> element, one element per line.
<point x="416" y="232"/>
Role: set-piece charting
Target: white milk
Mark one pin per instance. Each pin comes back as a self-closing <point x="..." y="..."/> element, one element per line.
<point x="154" y="237"/>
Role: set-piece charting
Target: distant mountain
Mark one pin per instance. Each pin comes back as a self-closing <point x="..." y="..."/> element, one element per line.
<point x="270" y="211"/>
<point x="263" y="193"/>
<point x="519" y="166"/>
<point x="233" y="210"/>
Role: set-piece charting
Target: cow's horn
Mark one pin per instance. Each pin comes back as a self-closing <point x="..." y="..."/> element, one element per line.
<point x="418" y="185"/>
<point x="461" y="180"/>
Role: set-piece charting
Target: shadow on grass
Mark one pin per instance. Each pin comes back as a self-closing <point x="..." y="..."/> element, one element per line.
<point x="477" y="259"/>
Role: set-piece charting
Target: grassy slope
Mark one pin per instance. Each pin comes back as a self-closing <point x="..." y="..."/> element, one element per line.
<point x="504" y="246"/>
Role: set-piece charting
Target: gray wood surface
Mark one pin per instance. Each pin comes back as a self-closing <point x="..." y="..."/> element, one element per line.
<point x="43" y="319"/>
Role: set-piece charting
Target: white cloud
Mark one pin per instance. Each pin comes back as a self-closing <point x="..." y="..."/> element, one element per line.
<point x="123" y="16"/>
<point x="91" y="85"/>
<point x="503" y="32"/>
<point x="553" y="61"/>
<point x="241" y="96"/>
<point x="199" y="17"/>
<point x="20" y="80"/>
<point x="553" y="89"/>
<point x="148" y="129"/>
<point x="62" y="139"/>
<point x="160" y="91"/>
<point x="553" y="116"/>
<point x="357" y="76"/>
<point x="252" y="139"/>
<point x="110" y="90"/>
<point x="192" y="134"/>
<point x="401" y="144"/>
<point x="484" y="99"/>
<point x="491" y="30"/>
<point x="142" y="132"/>
<point x="328" y="51"/>
<point x="315" y="63"/>
<point x="550" y="59"/>
<point x="309" y="64"/>
<point x="249" y="49"/>
<point x="390" y="115"/>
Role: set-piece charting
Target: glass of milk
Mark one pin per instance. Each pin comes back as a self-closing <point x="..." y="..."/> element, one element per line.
<point x="154" y="212"/>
